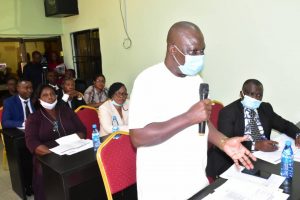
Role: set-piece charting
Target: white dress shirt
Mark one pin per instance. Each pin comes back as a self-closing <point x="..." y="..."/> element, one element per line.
<point x="23" y="106"/>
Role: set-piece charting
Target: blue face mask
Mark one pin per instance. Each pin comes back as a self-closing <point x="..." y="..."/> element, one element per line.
<point x="251" y="103"/>
<point x="192" y="65"/>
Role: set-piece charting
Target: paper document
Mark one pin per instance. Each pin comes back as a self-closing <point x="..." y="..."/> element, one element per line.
<point x="71" y="144"/>
<point x="275" y="156"/>
<point x="234" y="173"/>
<point x="234" y="189"/>
<point x="241" y="186"/>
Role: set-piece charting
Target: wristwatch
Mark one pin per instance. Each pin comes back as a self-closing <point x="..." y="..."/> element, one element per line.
<point x="253" y="146"/>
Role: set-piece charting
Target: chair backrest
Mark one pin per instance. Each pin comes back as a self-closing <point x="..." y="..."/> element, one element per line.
<point x="117" y="162"/>
<point x="88" y="116"/>
<point x="216" y="107"/>
<point x="1" y="111"/>
<point x="214" y="116"/>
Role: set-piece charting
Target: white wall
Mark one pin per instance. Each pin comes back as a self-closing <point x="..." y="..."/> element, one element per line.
<point x="245" y="39"/>
<point x="26" y="18"/>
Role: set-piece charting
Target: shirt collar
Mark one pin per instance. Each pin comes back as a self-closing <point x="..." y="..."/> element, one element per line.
<point x="23" y="99"/>
<point x="54" y="86"/>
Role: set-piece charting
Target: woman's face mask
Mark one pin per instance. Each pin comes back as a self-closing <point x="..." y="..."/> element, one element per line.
<point x="116" y="104"/>
<point x="48" y="106"/>
<point x="251" y="103"/>
<point x="192" y="65"/>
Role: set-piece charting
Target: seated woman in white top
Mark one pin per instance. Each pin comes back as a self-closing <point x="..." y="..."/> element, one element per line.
<point x="116" y="105"/>
<point x="96" y="94"/>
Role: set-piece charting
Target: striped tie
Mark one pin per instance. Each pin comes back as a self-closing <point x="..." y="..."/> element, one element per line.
<point x="255" y="134"/>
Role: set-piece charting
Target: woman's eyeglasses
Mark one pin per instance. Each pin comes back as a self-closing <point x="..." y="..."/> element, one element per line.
<point x="122" y="94"/>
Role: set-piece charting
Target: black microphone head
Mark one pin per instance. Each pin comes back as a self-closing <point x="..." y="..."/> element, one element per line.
<point x="203" y="91"/>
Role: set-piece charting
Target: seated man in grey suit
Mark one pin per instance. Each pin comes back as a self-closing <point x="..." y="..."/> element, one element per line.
<point x="16" y="108"/>
<point x="249" y="116"/>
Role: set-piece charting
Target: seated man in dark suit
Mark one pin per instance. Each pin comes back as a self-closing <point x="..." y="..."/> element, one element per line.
<point x="70" y="96"/>
<point x="52" y="78"/>
<point x="80" y="85"/>
<point x="18" y="107"/>
<point x="11" y="84"/>
<point x="249" y="116"/>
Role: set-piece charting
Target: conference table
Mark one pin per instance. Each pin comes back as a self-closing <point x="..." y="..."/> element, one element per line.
<point x="72" y="177"/>
<point x="76" y="177"/>
<point x="19" y="160"/>
<point x="265" y="169"/>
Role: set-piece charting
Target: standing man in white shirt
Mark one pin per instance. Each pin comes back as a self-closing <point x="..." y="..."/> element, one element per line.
<point x="163" y="120"/>
<point x="17" y="108"/>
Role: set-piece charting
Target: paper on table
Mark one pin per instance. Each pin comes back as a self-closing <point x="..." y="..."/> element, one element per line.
<point x="68" y="139"/>
<point x="274" y="181"/>
<point x="71" y="144"/>
<point x="240" y="186"/>
<point x="234" y="173"/>
<point x="234" y="189"/>
<point x="275" y="156"/>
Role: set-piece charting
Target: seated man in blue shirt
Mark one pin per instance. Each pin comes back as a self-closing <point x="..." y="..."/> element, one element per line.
<point x="18" y="107"/>
<point x="249" y="116"/>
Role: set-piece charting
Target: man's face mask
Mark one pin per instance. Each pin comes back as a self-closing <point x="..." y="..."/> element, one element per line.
<point x="192" y="65"/>
<point x="249" y="102"/>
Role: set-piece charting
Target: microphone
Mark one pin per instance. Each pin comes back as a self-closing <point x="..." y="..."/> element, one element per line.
<point x="203" y="92"/>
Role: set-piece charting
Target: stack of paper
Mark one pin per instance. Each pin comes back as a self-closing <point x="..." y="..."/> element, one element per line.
<point x="240" y="186"/>
<point x="71" y="144"/>
<point x="275" y="156"/>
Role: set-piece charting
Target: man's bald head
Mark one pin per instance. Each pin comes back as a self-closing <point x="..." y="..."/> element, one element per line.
<point x="184" y="38"/>
<point x="181" y="29"/>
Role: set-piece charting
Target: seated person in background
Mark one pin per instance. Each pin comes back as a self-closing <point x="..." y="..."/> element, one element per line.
<point x="249" y="116"/>
<point x="96" y="94"/>
<point x="11" y="84"/>
<point x="70" y="96"/>
<point x="80" y="85"/>
<point x="117" y="105"/>
<point x="17" y="108"/>
<point x="50" y="122"/>
<point x="52" y="78"/>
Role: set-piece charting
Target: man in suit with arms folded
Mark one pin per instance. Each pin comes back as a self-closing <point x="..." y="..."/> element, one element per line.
<point x="163" y="123"/>
<point x="249" y="116"/>
<point x="18" y="107"/>
<point x="69" y="96"/>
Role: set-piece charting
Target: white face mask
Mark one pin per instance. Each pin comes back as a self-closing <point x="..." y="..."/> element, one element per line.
<point x="116" y="104"/>
<point x="192" y="64"/>
<point x="48" y="106"/>
<point x="249" y="102"/>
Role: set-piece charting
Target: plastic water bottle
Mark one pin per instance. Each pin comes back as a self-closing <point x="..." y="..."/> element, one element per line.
<point x="115" y="126"/>
<point x="287" y="163"/>
<point x="95" y="137"/>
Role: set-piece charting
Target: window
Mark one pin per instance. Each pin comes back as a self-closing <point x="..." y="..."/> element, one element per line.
<point x="86" y="54"/>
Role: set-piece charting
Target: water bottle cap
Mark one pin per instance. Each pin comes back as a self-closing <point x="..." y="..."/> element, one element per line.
<point x="114" y="117"/>
<point x="288" y="143"/>
<point x="94" y="126"/>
